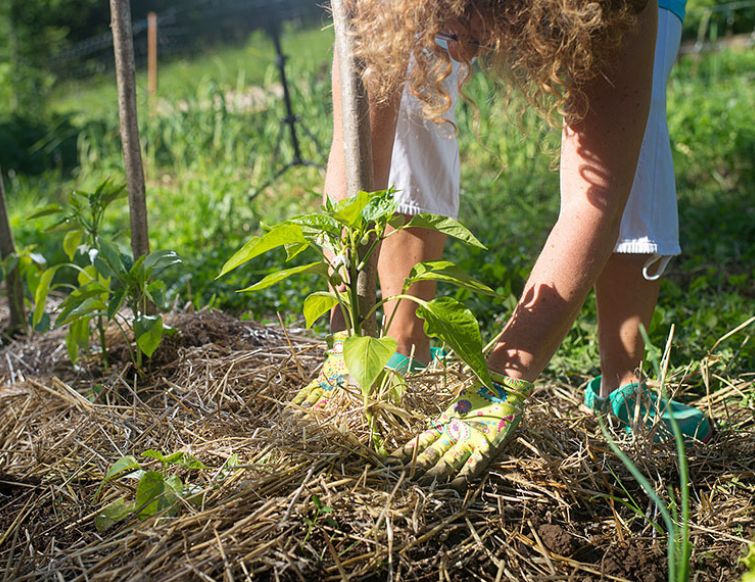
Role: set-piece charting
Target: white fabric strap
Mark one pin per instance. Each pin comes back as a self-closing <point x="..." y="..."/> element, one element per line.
<point x="661" y="261"/>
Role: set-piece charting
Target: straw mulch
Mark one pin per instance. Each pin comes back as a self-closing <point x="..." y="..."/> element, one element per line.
<point x="557" y="506"/>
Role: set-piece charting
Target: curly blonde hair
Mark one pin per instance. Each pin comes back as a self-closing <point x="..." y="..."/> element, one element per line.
<point x="546" y="49"/>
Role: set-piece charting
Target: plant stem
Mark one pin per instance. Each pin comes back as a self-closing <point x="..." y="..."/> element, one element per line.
<point x="103" y="342"/>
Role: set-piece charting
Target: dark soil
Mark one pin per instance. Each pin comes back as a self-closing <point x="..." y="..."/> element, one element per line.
<point x="637" y="562"/>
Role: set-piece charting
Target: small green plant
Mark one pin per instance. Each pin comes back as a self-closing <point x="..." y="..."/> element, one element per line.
<point x="676" y="521"/>
<point x="158" y="490"/>
<point x="320" y="513"/>
<point x="344" y="236"/>
<point x="749" y="563"/>
<point x="30" y="265"/>
<point x="110" y="280"/>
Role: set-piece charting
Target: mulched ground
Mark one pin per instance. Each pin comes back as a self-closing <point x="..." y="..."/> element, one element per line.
<point x="558" y="506"/>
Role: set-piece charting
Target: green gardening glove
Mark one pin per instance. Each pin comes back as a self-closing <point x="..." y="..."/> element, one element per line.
<point x="469" y="435"/>
<point x="333" y="375"/>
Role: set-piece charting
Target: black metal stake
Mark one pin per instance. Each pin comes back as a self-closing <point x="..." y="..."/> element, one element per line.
<point x="288" y="122"/>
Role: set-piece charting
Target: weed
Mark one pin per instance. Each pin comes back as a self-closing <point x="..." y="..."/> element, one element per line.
<point x="677" y="523"/>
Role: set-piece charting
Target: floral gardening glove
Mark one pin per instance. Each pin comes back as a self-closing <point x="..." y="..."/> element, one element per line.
<point x="469" y="435"/>
<point x="333" y="375"/>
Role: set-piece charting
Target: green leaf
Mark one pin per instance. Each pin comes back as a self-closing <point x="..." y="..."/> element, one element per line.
<point x="282" y="234"/>
<point x="148" y="330"/>
<point x="159" y="261"/>
<point x="46" y="211"/>
<point x="113" y="513"/>
<point x="293" y="250"/>
<point x="318" y="267"/>
<point x="317" y="304"/>
<point x="122" y="465"/>
<point x="41" y="293"/>
<point x="349" y="210"/>
<point x="77" y="338"/>
<point x="85" y="306"/>
<point x="71" y="242"/>
<point x="186" y="460"/>
<point x="115" y="302"/>
<point x="86" y="275"/>
<point x="316" y="224"/>
<point x="155" y="292"/>
<point x="452" y="322"/>
<point x="447" y="272"/>
<point x="446" y="225"/>
<point x="107" y="192"/>
<point x="366" y="358"/>
<point x="227" y="469"/>
<point x="153" y="454"/>
<point x="150" y="494"/>
<point x="176" y="485"/>
<point x="381" y="207"/>
<point x="109" y="261"/>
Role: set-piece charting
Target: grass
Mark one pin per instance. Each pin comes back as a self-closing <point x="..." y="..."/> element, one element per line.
<point x="250" y="64"/>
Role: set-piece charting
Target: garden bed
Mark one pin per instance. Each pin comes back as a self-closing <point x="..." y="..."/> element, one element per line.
<point x="309" y="499"/>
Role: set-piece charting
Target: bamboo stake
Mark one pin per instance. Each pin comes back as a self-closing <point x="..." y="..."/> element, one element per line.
<point x="152" y="54"/>
<point x="123" y="46"/>
<point x="15" y="288"/>
<point x="357" y="142"/>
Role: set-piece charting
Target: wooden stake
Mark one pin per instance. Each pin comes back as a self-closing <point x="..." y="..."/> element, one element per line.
<point x="123" y="46"/>
<point x="357" y="141"/>
<point x="13" y="277"/>
<point x="152" y="54"/>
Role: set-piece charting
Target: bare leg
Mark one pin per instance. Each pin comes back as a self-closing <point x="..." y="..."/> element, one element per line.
<point x="398" y="255"/>
<point x="625" y="300"/>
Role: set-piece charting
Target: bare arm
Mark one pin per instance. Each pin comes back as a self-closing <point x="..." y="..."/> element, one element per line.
<point x="598" y="161"/>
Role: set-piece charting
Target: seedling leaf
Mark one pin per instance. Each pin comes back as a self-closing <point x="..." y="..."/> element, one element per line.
<point x="447" y="272"/>
<point x="283" y="234"/>
<point x="447" y="226"/>
<point x="127" y="463"/>
<point x="452" y="322"/>
<point x="273" y="278"/>
<point x="112" y="513"/>
<point x="366" y="358"/>
<point x="71" y="242"/>
<point x="148" y="330"/>
<point x="317" y="304"/>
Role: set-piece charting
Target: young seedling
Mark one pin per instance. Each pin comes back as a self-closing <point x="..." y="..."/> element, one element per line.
<point x="339" y="235"/>
<point x="159" y="491"/>
<point x="110" y="280"/>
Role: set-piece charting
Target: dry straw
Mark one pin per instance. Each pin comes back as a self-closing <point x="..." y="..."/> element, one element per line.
<point x="558" y="505"/>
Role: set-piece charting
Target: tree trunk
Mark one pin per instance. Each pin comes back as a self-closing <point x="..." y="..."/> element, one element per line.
<point x="357" y="142"/>
<point x="123" y="46"/>
<point x="13" y="276"/>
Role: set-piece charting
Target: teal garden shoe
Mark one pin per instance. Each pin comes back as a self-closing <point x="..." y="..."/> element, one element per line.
<point x="622" y="403"/>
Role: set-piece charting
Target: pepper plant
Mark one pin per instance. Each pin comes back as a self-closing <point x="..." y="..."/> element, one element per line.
<point x="110" y="280"/>
<point x="343" y="236"/>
